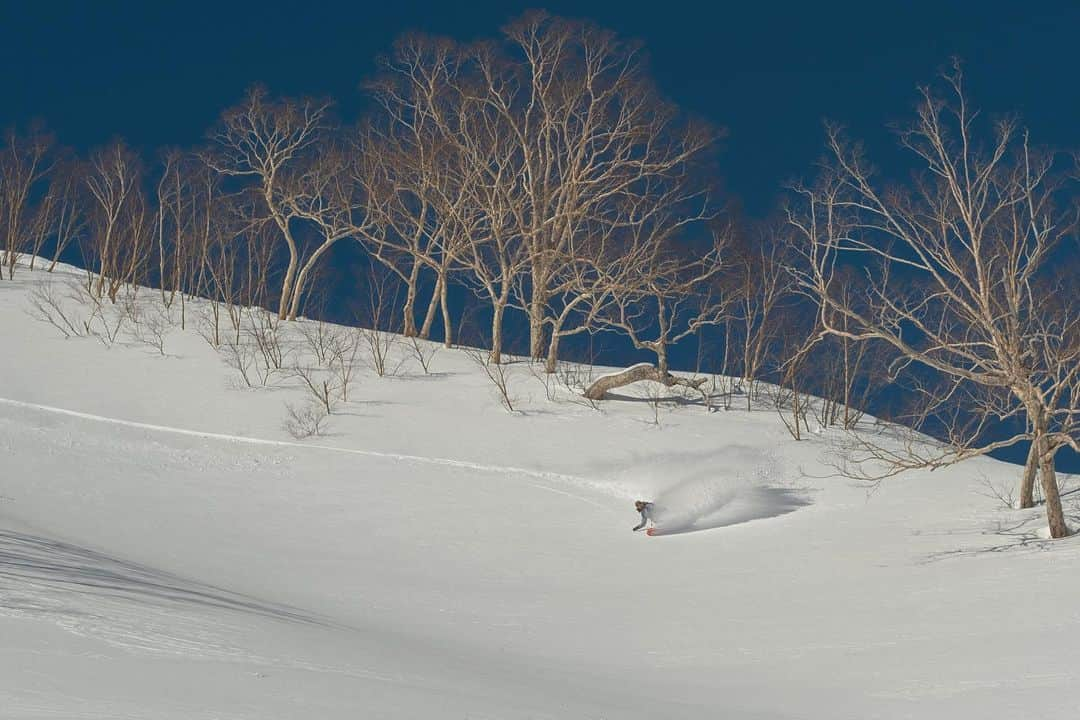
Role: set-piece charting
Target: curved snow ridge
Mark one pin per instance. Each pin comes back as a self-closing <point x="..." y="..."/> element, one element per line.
<point x="446" y="462"/>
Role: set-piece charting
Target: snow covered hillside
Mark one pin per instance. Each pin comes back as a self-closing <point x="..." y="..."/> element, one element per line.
<point x="168" y="550"/>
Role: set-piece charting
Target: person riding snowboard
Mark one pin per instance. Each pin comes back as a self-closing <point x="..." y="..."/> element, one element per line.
<point x="645" y="508"/>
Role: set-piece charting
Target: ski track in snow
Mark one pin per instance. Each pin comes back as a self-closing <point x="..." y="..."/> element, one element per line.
<point x="401" y="457"/>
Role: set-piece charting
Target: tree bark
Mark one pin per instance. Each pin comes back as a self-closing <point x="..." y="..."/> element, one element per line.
<point x="287" y="287"/>
<point x="1031" y="470"/>
<point x="444" y="303"/>
<point x="496" y="333"/>
<point x="637" y="373"/>
<point x="1055" y="516"/>
<point x="552" y="362"/>
<point x="536" y="327"/>
<point x="409" y="311"/>
<point x="429" y="315"/>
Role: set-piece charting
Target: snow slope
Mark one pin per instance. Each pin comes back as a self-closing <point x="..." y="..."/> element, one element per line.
<point x="168" y="551"/>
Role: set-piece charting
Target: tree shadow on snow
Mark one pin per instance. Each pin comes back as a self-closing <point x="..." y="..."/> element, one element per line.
<point x="1022" y="530"/>
<point x="668" y="400"/>
<point x="60" y="565"/>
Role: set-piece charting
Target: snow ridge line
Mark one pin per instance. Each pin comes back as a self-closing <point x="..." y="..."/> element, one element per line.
<point x="401" y="457"/>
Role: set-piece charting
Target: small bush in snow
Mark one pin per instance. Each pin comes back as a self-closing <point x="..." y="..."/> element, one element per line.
<point x="47" y="305"/>
<point x="304" y="421"/>
<point x="422" y="353"/>
<point x="498" y="374"/>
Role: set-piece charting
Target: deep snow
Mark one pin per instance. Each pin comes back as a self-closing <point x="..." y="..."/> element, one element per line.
<point x="168" y="551"/>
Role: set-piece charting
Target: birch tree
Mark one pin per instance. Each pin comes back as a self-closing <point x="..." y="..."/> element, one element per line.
<point x="265" y="141"/>
<point x="586" y="129"/>
<point x="118" y="244"/>
<point x="24" y="165"/>
<point x="955" y="280"/>
<point x="668" y="295"/>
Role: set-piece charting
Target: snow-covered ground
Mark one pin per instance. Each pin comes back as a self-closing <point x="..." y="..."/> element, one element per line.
<point x="167" y="550"/>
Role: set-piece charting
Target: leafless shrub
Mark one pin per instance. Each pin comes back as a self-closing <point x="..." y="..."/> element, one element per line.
<point x="320" y="338"/>
<point x="655" y="395"/>
<point x="209" y="325"/>
<point x="722" y="386"/>
<point x="548" y="380"/>
<point x="791" y="407"/>
<point x="376" y="318"/>
<point x="344" y="353"/>
<point x="304" y="421"/>
<point x="499" y="375"/>
<point x="266" y="332"/>
<point x="105" y="319"/>
<point x="379" y="344"/>
<point x="575" y="378"/>
<point x="47" y="305"/>
<point x="150" y="322"/>
<point x="423" y="352"/>
<point x="321" y="384"/>
<point x="1003" y="492"/>
<point x="240" y="356"/>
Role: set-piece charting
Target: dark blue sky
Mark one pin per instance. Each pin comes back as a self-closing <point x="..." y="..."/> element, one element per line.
<point x="159" y="73"/>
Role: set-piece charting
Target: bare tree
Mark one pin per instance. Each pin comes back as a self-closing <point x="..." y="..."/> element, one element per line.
<point x="420" y="165"/>
<point x="327" y="197"/>
<point x="24" y="165"/>
<point x="375" y="317"/>
<point x="794" y="358"/>
<point x="760" y="287"/>
<point x="191" y="208"/>
<point x="268" y="142"/>
<point x="66" y="221"/>
<point x="118" y="244"/>
<point x="344" y="354"/>
<point x="955" y="280"/>
<point x="666" y="298"/>
<point x="585" y="129"/>
<point x="588" y="129"/>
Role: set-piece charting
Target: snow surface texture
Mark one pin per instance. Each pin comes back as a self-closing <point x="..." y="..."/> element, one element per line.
<point x="168" y="551"/>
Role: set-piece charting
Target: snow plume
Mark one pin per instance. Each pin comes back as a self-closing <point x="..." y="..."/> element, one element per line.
<point x="734" y="485"/>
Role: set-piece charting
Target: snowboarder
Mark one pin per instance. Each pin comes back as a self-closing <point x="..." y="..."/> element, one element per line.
<point x="645" y="508"/>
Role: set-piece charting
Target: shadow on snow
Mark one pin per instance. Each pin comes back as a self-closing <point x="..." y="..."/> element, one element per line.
<point x="61" y="565"/>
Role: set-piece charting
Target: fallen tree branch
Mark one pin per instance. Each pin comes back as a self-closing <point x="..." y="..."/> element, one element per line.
<point x="637" y="373"/>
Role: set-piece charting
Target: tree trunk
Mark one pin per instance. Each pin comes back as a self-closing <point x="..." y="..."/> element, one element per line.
<point x="538" y="308"/>
<point x="287" y="287"/>
<point x="409" y="311"/>
<point x="552" y="362"/>
<point x="298" y="291"/>
<point x="429" y="315"/>
<point x="536" y="326"/>
<point x="444" y="305"/>
<point x="1055" y="516"/>
<point x="795" y="407"/>
<point x="496" y="332"/>
<point x="636" y="373"/>
<point x="1031" y="470"/>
